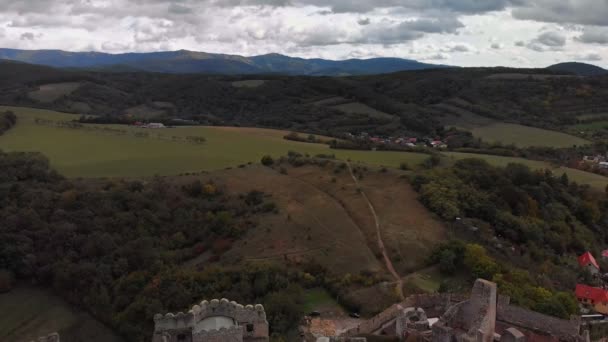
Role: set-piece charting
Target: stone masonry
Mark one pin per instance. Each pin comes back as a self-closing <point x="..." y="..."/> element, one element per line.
<point x="214" y="321"/>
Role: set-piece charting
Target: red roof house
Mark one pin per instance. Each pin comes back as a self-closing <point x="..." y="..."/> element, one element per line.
<point x="587" y="260"/>
<point x="592" y="295"/>
<point x="605" y="253"/>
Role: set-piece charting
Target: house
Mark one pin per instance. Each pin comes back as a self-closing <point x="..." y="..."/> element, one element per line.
<point x="603" y="165"/>
<point x="155" y="125"/>
<point x="593" y="296"/>
<point x="588" y="261"/>
<point x="605" y="254"/>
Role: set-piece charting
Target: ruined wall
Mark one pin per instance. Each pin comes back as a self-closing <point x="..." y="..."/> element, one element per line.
<point x="433" y="304"/>
<point x="251" y="321"/>
<point x="234" y="334"/>
<point x="54" y="337"/>
<point x="536" y="326"/>
<point x="471" y="320"/>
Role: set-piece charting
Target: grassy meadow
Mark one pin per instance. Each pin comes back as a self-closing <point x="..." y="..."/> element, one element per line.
<point x="31" y="312"/>
<point x="524" y="136"/>
<point x="82" y="153"/>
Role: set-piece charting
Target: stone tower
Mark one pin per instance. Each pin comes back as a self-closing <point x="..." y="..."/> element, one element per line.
<point x="214" y="321"/>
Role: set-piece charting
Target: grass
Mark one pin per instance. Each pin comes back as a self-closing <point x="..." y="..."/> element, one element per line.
<point x="79" y="153"/>
<point x="318" y="299"/>
<point x="524" y="136"/>
<point x="51" y="92"/>
<point x="28" y="313"/>
<point x="248" y="83"/>
<point x="596" y="181"/>
<point x="591" y="126"/>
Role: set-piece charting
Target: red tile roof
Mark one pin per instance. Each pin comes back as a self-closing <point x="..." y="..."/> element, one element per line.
<point x="587" y="259"/>
<point x="596" y="294"/>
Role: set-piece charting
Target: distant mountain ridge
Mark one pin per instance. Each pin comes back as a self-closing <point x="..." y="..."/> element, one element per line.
<point x="580" y="69"/>
<point x="184" y="61"/>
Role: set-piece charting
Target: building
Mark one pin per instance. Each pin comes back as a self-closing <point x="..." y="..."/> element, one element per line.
<point x="214" y="321"/>
<point x="588" y="261"/>
<point x="484" y="316"/>
<point x="155" y="125"/>
<point x="593" y="296"/>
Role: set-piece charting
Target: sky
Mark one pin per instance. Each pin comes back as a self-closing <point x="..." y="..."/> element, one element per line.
<point x="518" y="33"/>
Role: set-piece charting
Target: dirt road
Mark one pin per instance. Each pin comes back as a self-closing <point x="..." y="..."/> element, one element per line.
<point x="387" y="260"/>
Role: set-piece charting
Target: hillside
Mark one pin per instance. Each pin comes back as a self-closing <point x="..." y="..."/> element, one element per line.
<point x="405" y="103"/>
<point x="184" y="61"/>
<point x="580" y="69"/>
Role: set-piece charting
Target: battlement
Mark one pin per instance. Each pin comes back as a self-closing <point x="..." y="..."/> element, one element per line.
<point x="218" y="317"/>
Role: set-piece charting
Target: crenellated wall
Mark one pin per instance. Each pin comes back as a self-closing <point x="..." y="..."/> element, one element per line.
<point x="249" y="321"/>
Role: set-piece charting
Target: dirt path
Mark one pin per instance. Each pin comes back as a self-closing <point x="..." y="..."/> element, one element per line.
<point x="387" y="260"/>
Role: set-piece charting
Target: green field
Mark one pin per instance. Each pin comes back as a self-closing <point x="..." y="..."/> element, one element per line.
<point x="591" y="126"/>
<point x="51" y="92"/>
<point x="81" y="153"/>
<point x="595" y="181"/>
<point x="318" y="299"/>
<point x="524" y="136"/>
<point x="28" y="313"/>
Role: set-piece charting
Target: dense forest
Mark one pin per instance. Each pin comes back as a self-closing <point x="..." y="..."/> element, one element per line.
<point x="116" y="248"/>
<point x="532" y="220"/>
<point x="413" y="102"/>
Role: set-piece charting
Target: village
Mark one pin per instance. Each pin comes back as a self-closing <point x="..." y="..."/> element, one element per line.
<point x="398" y="141"/>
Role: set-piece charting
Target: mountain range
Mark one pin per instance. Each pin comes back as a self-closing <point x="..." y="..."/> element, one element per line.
<point x="184" y="61"/>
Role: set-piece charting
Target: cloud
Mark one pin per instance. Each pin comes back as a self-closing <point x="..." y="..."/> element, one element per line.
<point x="179" y="9"/>
<point x="594" y="35"/>
<point x="551" y="39"/>
<point x="437" y="57"/>
<point x="520" y="43"/>
<point x="589" y="57"/>
<point x="364" y="21"/>
<point x="496" y="46"/>
<point x="584" y="12"/>
<point x="27" y="36"/>
<point x="459" y="48"/>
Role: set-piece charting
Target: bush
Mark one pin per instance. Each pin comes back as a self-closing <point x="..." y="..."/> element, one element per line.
<point x="267" y="160"/>
<point x="6" y="281"/>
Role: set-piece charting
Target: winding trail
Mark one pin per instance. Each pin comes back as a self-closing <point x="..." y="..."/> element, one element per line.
<point x="387" y="260"/>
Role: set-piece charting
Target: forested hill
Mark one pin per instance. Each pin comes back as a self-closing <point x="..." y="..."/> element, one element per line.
<point x="418" y="102"/>
<point x="184" y="61"/>
<point x="581" y="69"/>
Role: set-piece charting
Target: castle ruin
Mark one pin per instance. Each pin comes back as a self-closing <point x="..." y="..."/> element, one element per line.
<point x="214" y="321"/>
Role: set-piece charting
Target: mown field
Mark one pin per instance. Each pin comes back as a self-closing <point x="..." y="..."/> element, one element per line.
<point x="524" y="136"/>
<point x="82" y="153"/>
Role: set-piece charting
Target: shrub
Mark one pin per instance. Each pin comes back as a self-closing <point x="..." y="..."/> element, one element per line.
<point x="267" y="160"/>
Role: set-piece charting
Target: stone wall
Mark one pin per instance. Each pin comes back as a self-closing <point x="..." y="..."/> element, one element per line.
<point x="234" y="334"/>
<point x="471" y="320"/>
<point x="54" y="337"/>
<point x="536" y="326"/>
<point x="433" y="304"/>
<point x="251" y="321"/>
